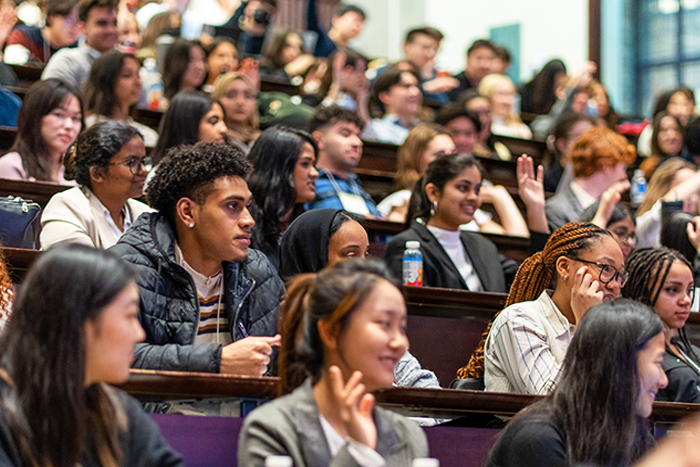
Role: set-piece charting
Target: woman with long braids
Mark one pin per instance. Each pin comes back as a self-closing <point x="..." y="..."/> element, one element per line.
<point x="523" y="349"/>
<point x="663" y="279"/>
<point x="598" y="414"/>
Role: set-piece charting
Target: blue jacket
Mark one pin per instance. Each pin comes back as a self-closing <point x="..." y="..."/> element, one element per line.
<point x="169" y="309"/>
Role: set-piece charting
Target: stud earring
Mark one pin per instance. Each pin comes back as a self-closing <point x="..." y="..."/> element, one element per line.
<point x="191" y="224"/>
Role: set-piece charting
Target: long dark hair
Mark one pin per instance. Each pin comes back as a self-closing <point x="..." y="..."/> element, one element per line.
<point x="542" y="88"/>
<point x="41" y="99"/>
<point x="331" y="295"/>
<point x="274" y="155"/>
<point x="648" y="269"/>
<point x="180" y="124"/>
<point x="656" y="129"/>
<point x="596" y="398"/>
<point x="175" y="64"/>
<point x="96" y="147"/>
<point x="99" y="88"/>
<point x="440" y="171"/>
<point x="43" y="359"/>
<point x="272" y="53"/>
<point x="675" y="236"/>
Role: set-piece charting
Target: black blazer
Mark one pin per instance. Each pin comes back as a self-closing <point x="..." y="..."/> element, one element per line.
<point x="495" y="271"/>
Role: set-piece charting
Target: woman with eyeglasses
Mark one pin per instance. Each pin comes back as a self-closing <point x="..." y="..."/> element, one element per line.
<point x="110" y="165"/>
<point x="522" y="351"/>
<point x="663" y="279"/>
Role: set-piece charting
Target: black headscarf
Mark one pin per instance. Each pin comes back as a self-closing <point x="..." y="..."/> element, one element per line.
<point x="304" y="246"/>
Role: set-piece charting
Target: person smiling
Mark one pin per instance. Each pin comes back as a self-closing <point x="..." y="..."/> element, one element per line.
<point x="341" y="237"/>
<point x="177" y="126"/>
<point x="344" y="331"/>
<point x="208" y="302"/>
<point x="75" y="323"/>
<point x="397" y="94"/>
<point x="98" y="22"/>
<point x="443" y="200"/>
<point x="523" y="349"/>
<point x="109" y="164"/>
<point x="620" y="383"/>
<point x="281" y="183"/>
<point x="49" y="120"/>
<point x="663" y="279"/>
<point x="112" y="89"/>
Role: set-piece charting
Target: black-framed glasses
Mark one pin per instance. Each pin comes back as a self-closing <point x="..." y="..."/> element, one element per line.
<point x="608" y="273"/>
<point x="135" y="164"/>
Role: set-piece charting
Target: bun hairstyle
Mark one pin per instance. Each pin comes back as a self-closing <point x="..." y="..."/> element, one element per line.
<point x="331" y="295"/>
<point x="535" y="275"/>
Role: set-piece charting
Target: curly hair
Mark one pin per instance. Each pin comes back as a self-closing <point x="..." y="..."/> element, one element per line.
<point x="535" y="275"/>
<point x="600" y="147"/>
<point x="96" y="147"/>
<point x="6" y="290"/>
<point x="190" y="172"/>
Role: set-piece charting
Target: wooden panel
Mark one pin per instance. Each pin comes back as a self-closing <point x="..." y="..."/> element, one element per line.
<point x="19" y="261"/>
<point x="158" y="385"/>
<point x="39" y="192"/>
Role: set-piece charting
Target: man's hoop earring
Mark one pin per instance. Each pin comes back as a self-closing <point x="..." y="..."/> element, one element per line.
<point x="433" y="208"/>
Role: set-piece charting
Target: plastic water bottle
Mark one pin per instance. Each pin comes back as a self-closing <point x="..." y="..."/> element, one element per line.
<point x="425" y="462"/>
<point x="639" y="187"/>
<point x="413" y="264"/>
<point x="278" y="461"/>
<point x="153" y="85"/>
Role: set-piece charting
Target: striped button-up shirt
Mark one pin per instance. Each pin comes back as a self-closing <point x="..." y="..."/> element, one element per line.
<point x="526" y="347"/>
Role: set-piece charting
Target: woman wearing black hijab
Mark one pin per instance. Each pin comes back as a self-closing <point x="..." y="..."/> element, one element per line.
<point x="323" y="237"/>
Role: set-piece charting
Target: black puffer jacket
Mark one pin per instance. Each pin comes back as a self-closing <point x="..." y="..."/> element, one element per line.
<point x="169" y="304"/>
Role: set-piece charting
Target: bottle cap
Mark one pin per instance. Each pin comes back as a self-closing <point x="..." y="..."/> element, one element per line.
<point x="413" y="245"/>
<point x="278" y="461"/>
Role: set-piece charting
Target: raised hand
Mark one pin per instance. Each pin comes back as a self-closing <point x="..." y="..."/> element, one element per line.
<point x="608" y="201"/>
<point x="355" y="406"/>
<point x="530" y="187"/>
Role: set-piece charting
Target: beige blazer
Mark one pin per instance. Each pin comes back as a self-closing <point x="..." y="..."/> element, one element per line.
<point x="76" y="215"/>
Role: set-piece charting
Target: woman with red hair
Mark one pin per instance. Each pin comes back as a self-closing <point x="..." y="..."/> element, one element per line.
<point x="599" y="158"/>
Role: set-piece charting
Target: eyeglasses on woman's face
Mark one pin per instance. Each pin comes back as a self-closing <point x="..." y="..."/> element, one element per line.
<point x="608" y="273"/>
<point x="135" y="163"/>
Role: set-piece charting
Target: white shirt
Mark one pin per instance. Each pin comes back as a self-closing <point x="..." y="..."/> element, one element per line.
<point x="526" y="346"/>
<point x="512" y="129"/>
<point x="648" y="230"/>
<point x="77" y="216"/>
<point x="583" y="196"/>
<point x="452" y="244"/>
